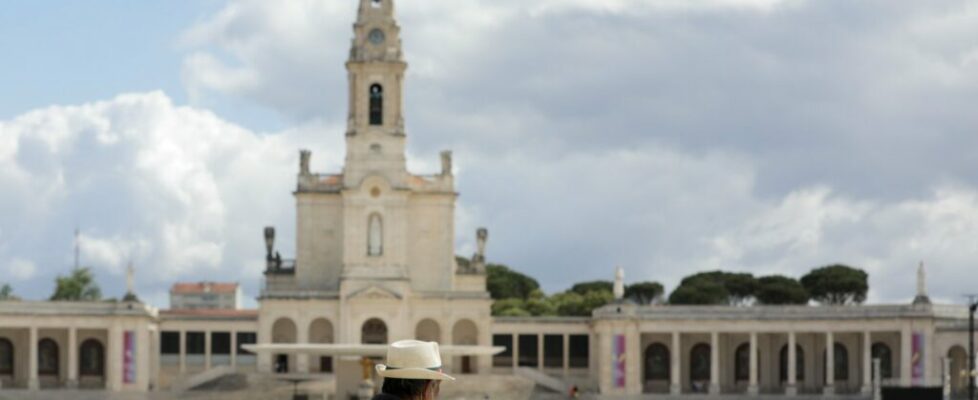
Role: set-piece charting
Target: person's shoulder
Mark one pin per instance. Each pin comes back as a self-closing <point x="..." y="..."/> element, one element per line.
<point x="384" y="396"/>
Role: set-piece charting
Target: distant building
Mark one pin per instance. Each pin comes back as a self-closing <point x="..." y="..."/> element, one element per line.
<point x="205" y="295"/>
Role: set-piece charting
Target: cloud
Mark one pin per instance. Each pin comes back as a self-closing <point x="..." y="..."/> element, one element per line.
<point x="815" y="226"/>
<point x="20" y="269"/>
<point x="175" y="190"/>
<point x="663" y="136"/>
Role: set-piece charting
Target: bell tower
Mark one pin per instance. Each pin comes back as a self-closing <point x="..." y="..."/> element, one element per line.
<point x="375" y="138"/>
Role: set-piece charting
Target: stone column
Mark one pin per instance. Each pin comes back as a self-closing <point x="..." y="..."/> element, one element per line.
<point x="792" y="389"/>
<point x="183" y="352"/>
<point x="633" y="360"/>
<point x="867" y="363"/>
<point x="752" y="387"/>
<point x="906" y="357"/>
<point x="73" y="365"/>
<point x="207" y="350"/>
<point x="302" y="337"/>
<point x="675" y="387"/>
<point x="946" y="377"/>
<point x="155" y="360"/>
<point x="715" y="363"/>
<point x="516" y="352"/>
<point x="234" y="349"/>
<point x="32" y="382"/>
<point x="540" y="352"/>
<point x="829" y="364"/>
<point x="566" y="361"/>
<point x="113" y="364"/>
<point x="877" y="380"/>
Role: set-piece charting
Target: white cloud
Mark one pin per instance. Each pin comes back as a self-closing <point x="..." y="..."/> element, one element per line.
<point x="665" y="136"/>
<point x="20" y="269"/>
<point x="814" y="227"/>
<point x="176" y="190"/>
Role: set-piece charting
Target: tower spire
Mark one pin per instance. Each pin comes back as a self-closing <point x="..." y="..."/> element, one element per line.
<point x="619" y="286"/>
<point x="130" y="295"/>
<point x="922" y="297"/>
<point x="130" y="278"/>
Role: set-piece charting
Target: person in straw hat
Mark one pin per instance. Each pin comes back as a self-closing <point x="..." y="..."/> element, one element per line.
<point x="412" y="372"/>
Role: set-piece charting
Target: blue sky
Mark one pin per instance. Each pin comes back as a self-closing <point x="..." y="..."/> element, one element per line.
<point x="663" y="136"/>
<point x="70" y="52"/>
<point x="66" y="52"/>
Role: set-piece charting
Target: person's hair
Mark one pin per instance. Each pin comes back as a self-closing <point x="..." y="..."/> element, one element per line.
<point x="404" y="388"/>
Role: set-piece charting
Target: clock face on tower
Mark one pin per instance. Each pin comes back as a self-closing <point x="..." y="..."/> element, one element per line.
<point x="376" y="36"/>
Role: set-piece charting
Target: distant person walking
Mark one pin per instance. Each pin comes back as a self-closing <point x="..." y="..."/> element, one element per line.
<point x="412" y="372"/>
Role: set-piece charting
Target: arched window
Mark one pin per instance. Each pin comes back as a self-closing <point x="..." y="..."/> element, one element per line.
<point x="742" y="363"/>
<point x="376" y="104"/>
<point x="699" y="363"/>
<point x="882" y="352"/>
<point x="799" y="363"/>
<point x="6" y="357"/>
<point x="657" y="362"/>
<point x="283" y="331"/>
<point x="428" y="331"/>
<point x="374" y="331"/>
<point x="841" y="366"/>
<point x="375" y="238"/>
<point x="92" y="358"/>
<point x="321" y="331"/>
<point x="47" y="357"/>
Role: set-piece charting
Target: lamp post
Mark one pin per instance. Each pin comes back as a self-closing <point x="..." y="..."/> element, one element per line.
<point x="269" y="243"/>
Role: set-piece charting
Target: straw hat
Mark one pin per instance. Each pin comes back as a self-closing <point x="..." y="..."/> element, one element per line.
<point x="413" y="359"/>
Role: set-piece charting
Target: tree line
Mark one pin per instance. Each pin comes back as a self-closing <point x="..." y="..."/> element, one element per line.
<point x="518" y="295"/>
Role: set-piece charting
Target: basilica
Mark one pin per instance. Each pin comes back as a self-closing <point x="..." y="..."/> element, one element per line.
<point x="375" y="262"/>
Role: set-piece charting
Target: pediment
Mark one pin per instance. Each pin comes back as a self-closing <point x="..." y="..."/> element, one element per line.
<point x="374" y="292"/>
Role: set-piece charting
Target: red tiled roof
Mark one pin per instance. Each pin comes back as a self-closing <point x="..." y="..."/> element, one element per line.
<point x="203" y="287"/>
<point x="332" y="180"/>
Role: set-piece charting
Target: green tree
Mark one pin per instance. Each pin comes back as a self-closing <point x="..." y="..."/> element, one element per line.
<point x="779" y="290"/>
<point x="78" y="286"/>
<point x="837" y="284"/>
<point x="703" y="292"/>
<point x="592" y="286"/>
<point x="506" y="306"/>
<point x="569" y="304"/>
<point x="537" y="304"/>
<point x="739" y="288"/>
<point x="645" y="292"/>
<point x="7" y="293"/>
<point x="504" y="283"/>
<point x="597" y="299"/>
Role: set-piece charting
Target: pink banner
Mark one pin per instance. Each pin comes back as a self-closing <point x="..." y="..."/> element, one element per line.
<point x="618" y="361"/>
<point x="129" y="357"/>
<point x="917" y="360"/>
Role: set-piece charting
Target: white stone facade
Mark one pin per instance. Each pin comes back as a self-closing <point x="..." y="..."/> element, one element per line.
<point x="375" y="256"/>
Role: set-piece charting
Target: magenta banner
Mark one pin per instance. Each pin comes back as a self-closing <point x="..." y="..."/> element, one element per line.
<point x="129" y="357"/>
<point x="618" y="361"/>
<point x="917" y="360"/>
